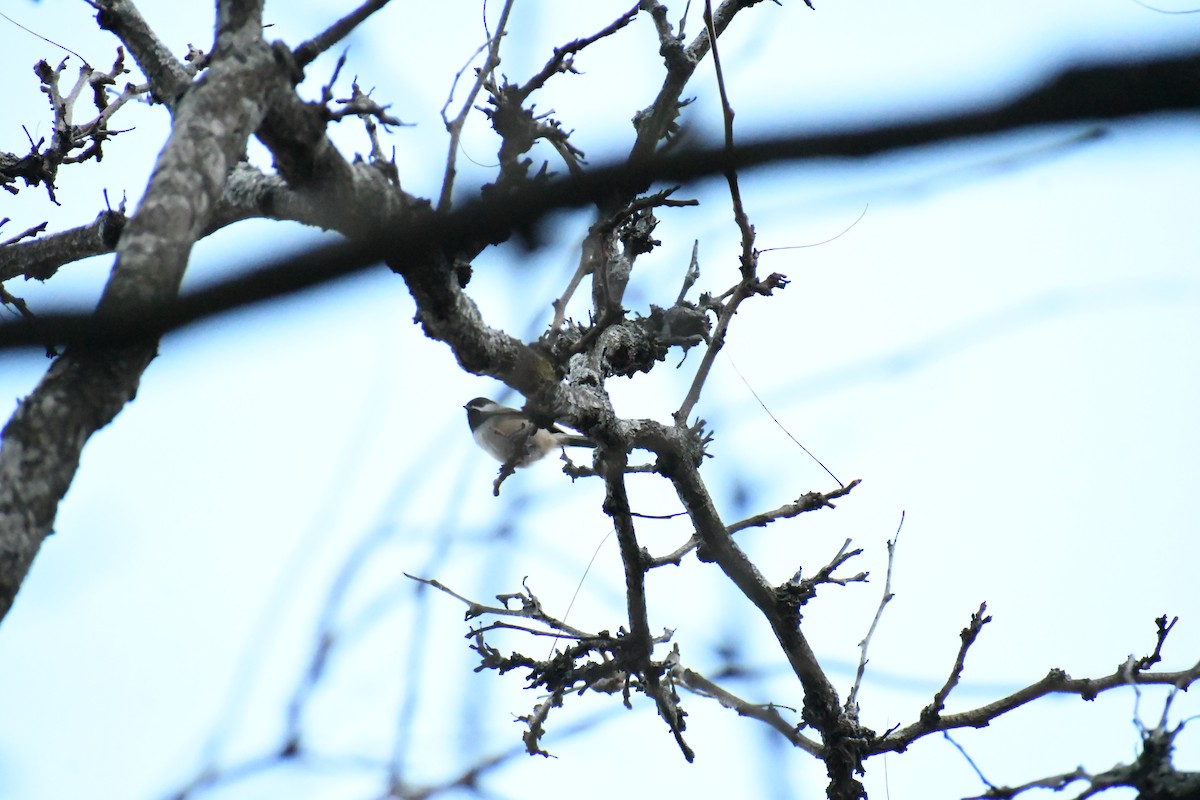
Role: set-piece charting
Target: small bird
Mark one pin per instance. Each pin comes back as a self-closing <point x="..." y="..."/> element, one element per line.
<point x="511" y="437"/>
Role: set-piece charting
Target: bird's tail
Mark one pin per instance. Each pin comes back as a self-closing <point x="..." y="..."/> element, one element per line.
<point x="573" y="440"/>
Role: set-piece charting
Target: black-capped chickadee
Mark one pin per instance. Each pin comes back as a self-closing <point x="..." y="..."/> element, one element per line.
<point x="511" y="437"/>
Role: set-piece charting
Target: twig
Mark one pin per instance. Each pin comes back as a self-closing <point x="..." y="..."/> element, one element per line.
<point x="657" y="516"/>
<point x="693" y="272"/>
<point x="530" y="609"/>
<point x="9" y="299"/>
<point x="851" y="704"/>
<point x="508" y="626"/>
<point x="968" y="635"/>
<point x="25" y="234"/>
<point x="1055" y="682"/>
<point x="825" y="573"/>
<point x="767" y="713"/>
<point x="455" y="126"/>
<point x="659" y="120"/>
<point x="667" y="701"/>
<point x="535" y="723"/>
<point x="309" y="50"/>
<point x="749" y="284"/>
<point x="1145" y="662"/>
<point x="970" y="761"/>
<point x="168" y="78"/>
<point x="561" y="61"/>
<point x="1055" y="782"/>
<point x="808" y="502"/>
<point x="749" y="257"/>
<point x="590" y="252"/>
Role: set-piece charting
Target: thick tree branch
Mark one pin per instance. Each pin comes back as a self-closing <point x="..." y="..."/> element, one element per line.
<point x="40" y="258"/>
<point x="86" y="387"/>
<point x="821" y="706"/>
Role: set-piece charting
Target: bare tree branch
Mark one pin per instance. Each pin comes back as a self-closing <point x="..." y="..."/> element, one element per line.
<point x="86" y="387"/>
<point x="1079" y="94"/>
<point x="309" y="50"/>
<point x="169" y="78"/>
<point x="845" y="742"/>
<point x="201" y="184"/>
<point x="40" y="258"/>
<point x="767" y="713"/>
<point x="455" y="126"/>
<point x="1055" y="682"/>
<point x="807" y="502"/>
<point x="852" y="698"/>
<point x="72" y="142"/>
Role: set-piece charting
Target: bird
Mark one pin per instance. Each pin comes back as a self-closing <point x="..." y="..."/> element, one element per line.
<point x="511" y="437"/>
